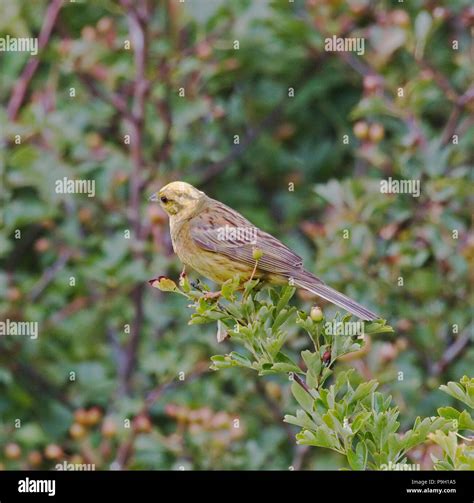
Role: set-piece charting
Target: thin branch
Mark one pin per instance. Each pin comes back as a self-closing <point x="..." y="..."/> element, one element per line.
<point x="452" y="353"/>
<point x="49" y="275"/>
<point x="440" y="79"/>
<point x="452" y="124"/>
<point x="113" y="99"/>
<point x="39" y="383"/>
<point x="301" y="382"/>
<point x="301" y="451"/>
<point x="238" y="150"/>
<point x="275" y="408"/>
<point x="19" y="91"/>
<point x="125" y="451"/>
<point x="136" y="17"/>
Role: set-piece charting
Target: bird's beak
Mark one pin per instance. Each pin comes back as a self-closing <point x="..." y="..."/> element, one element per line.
<point x="153" y="198"/>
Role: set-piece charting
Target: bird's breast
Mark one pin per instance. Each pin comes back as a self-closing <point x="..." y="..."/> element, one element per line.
<point x="214" y="266"/>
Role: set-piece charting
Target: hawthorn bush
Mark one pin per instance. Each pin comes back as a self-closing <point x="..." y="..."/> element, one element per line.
<point x="348" y="416"/>
<point x="294" y="137"/>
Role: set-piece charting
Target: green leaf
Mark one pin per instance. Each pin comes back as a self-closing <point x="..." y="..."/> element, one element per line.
<point x="465" y="421"/>
<point x="198" y="320"/>
<point x="358" y="458"/>
<point x="423" y="23"/>
<point x="321" y="437"/>
<point x="220" y="362"/>
<point x="286" y="295"/>
<point x="228" y="288"/>
<point x="312" y="361"/>
<point x="285" y="364"/>
<point x="458" y="391"/>
<point x="241" y="360"/>
<point x="448" y="443"/>
<point x="448" y="412"/>
<point x="302" y="419"/>
<point x="282" y="318"/>
<point x="302" y="397"/>
<point x="363" y="390"/>
<point x="164" y="284"/>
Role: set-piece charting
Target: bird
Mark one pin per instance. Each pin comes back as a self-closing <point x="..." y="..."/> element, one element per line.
<point x="219" y="243"/>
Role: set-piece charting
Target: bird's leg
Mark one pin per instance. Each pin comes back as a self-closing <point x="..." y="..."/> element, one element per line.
<point x="197" y="285"/>
<point x="207" y="295"/>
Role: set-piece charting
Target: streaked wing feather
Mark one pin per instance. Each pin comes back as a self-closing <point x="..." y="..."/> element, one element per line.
<point x="206" y="232"/>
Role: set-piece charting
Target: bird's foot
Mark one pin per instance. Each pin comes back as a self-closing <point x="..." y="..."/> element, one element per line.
<point x="212" y="295"/>
<point x="196" y="285"/>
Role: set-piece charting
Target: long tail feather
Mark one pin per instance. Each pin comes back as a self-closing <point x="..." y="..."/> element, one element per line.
<point x="314" y="285"/>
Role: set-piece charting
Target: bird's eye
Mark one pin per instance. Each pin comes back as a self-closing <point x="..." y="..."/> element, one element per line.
<point x="164" y="199"/>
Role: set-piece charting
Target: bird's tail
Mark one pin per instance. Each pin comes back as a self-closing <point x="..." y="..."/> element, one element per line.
<point x="314" y="285"/>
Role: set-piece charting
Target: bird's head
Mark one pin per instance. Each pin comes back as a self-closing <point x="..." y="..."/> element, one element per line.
<point x="178" y="198"/>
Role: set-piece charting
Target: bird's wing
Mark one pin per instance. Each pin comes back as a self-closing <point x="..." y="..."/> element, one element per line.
<point x="220" y="229"/>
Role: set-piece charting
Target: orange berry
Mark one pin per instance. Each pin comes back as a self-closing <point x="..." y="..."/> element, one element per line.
<point x="285" y="131"/>
<point x="53" y="452"/>
<point x="376" y="132"/>
<point x="203" y="50"/>
<point x="120" y="177"/>
<point x="372" y="83"/>
<point x="12" y="451"/>
<point x="104" y="25"/>
<point x="88" y="33"/>
<point x="142" y="424"/>
<point x="93" y="416"/>
<point x="80" y="415"/>
<point x="42" y="245"/>
<point x="35" y="458"/>
<point x="47" y="223"/>
<point x="400" y="18"/>
<point x="93" y="140"/>
<point x="13" y="294"/>
<point x="109" y="428"/>
<point x="85" y="215"/>
<point x="77" y="431"/>
<point x="76" y="459"/>
<point x="361" y="130"/>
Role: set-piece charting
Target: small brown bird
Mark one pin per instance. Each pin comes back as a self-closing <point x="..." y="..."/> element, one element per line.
<point x="219" y="243"/>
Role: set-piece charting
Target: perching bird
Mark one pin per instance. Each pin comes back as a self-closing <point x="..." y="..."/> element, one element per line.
<point x="219" y="243"/>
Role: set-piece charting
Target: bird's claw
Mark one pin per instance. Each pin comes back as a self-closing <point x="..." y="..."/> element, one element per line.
<point x="196" y="285"/>
<point x="212" y="295"/>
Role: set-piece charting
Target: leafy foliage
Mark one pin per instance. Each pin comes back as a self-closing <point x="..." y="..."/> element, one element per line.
<point x="106" y="341"/>
<point x="458" y="451"/>
<point x="358" y="422"/>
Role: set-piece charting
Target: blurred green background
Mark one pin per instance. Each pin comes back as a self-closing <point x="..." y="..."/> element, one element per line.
<point x="330" y="124"/>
